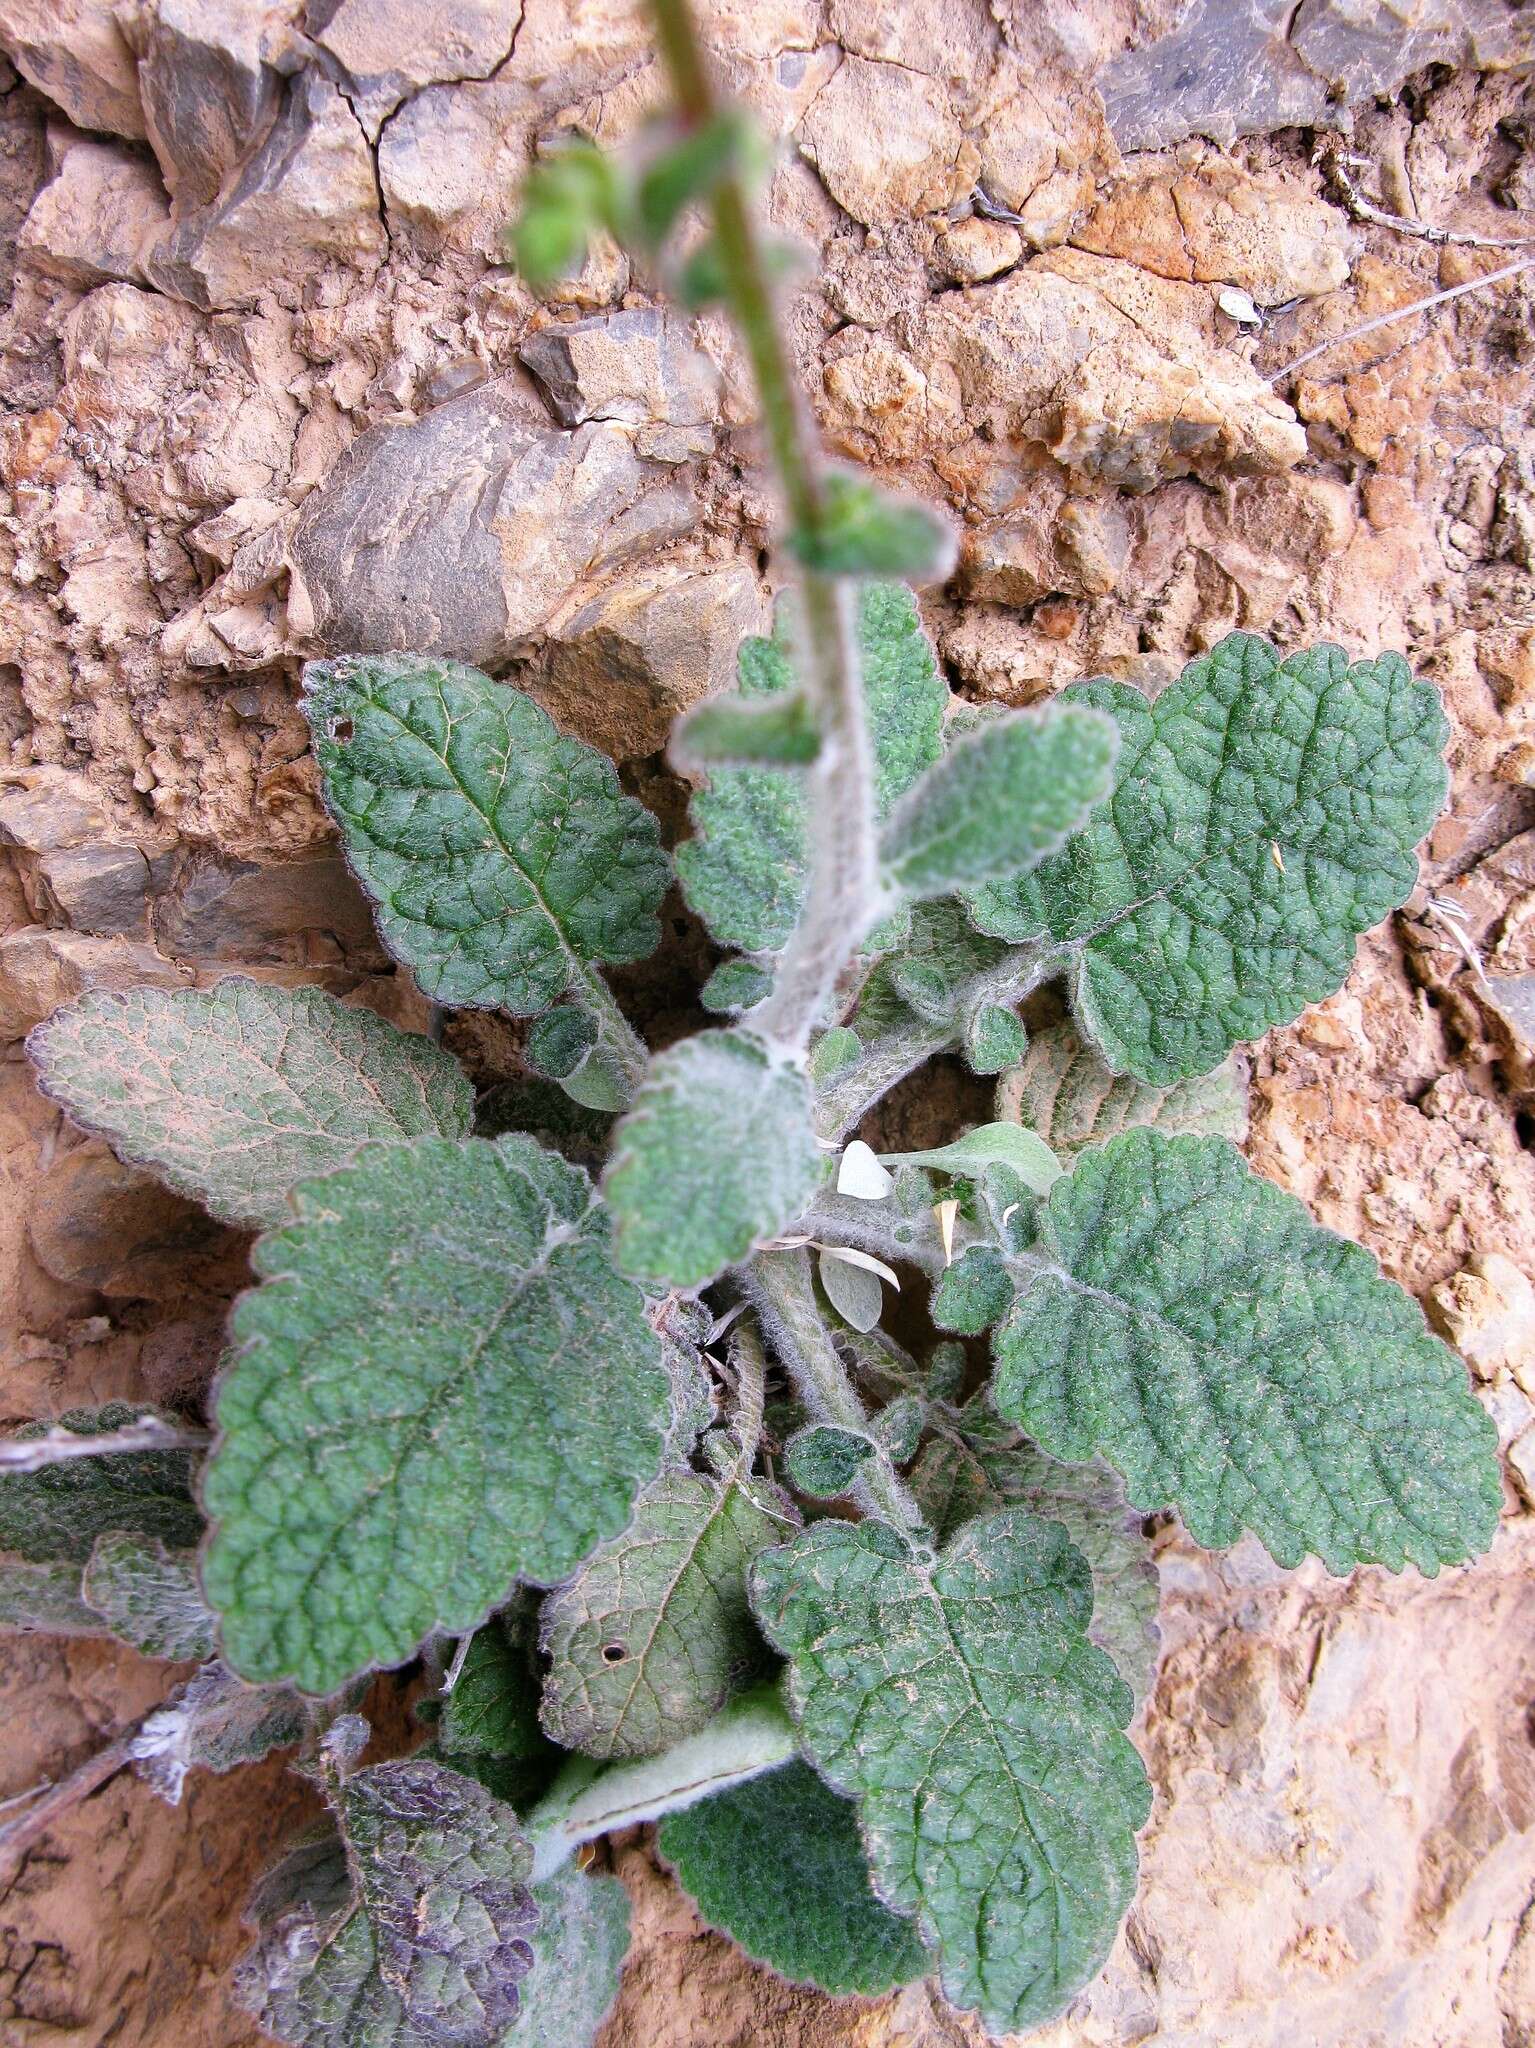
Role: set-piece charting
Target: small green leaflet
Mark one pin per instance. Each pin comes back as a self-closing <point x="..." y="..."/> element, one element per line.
<point x="994" y="1039"/>
<point x="1265" y="815"/>
<point x="45" y="1598"/>
<point x="442" y="1386"/>
<point x="975" y="1292"/>
<point x="1000" y="800"/>
<point x="963" y="1707"/>
<point x="735" y="985"/>
<point x="825" y="1460"/>
<point x="735" y="732"/>
<point x="777" y="1865"/>
<point x="579" y="1947"/>
<point x="214" y="1723"/>
<point x="234" y="1093"/>
<point x="56" y="1514"/>
<point x="502" y="857"/>
<point x="866" y="531"/>
<point x="148" y="1595"/>
<point x="1062" y="1090"/>
<point x="493" y="1707"/>
<point x="1025" y="1152"/>
<point x="1232" y="1358"/>
<point x="409" y="1929"/>
<point x="716" y="1154"/>
<point x="744" y="871"/>
<point x="943" y="950"/>
<point x="654" y="1634"/>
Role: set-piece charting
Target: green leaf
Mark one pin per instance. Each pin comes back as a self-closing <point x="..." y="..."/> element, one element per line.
<point x="544" y="1111"/>
<point x="777" y="1865"/>
<point x="898" y="1428"/>
<point x="994" y="1039"/>
<point x="866" y="531"/>
<point x="234" y="1093"/>
<point x="716" y="1154"/>
<point x="1235" y="1360"/>
<point x="493" y="1707"/>
<point x="975" y="1292"/>
<point x="734" y="986"/>
<point x="412" y="1932"/>
<point x="149" y="1595"/>
<point x="45" y="1599"/>
<point x="833" y="1052"/>
<point x="948" y="952"/>
<point x="744" y="872"/>
<point x="982" y="1463"/>
<point x="214" y="1723"/>
<point x="1062" y="1089"/>
<point x="56" y="1514"/>
<point x="691" y="168"/>
<point x="565" y="199"/>
<point x="1265" y="814"/>
<point x="923" y="988"/>
<point x="1000" y="800"/>
<point x="442" y="1386"/>
<point x="653" y="1635"/>
<point x="559" y="1041"/>
<point x="733" y="732"/>
<point x="579" y="1947"/>
<point x="1024" y="1152"/>
<point x="502" y="858"/>
<point x="826" y="1461"/>
<point x="961" y="1704"/>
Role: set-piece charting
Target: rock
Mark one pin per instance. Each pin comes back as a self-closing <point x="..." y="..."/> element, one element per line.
<point x="1487" y="1311"/>
<point x="94" y="1222"/>
<point x="1521" y="1466"/>
<point x="39" y="969"/>
<point x="625" y="666"/>
<point x="637" y="366"/>
<point x="305" y="201"/>
<point x="1041" y="133"/>
<point x="305" y="911"/>
<point x="73" y="864"/>
<point x="1053" y="544"/>
<point x="973" y="250"/>
<point x="955" y="43"/>
<point x="462" y="533"/>
<point x="75" y="52"/>
<point x="93" y="220"/>
<point x="390" y="49"/>
<point x="448" y="163"/>
<point x="1221" y="225"/>
<point x="887" y="143"/>
<point x="209" y="94"/>
<point x="1116" y="373"/>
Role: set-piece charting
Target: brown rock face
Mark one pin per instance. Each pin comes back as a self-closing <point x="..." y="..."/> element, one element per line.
<point x="271" y="390"/>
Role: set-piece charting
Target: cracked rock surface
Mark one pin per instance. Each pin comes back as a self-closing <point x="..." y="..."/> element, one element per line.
<point x="269" y="390"/>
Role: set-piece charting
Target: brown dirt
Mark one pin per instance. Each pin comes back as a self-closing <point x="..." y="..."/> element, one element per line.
<point x="1342" y="1852"/>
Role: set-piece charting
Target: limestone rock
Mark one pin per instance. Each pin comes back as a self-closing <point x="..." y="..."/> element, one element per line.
<point x="1052" y="544"/>
<point x="74" y="51"/>
<point x="1268" y="236"/>
<point x="305" y="911"/>
<point x="637" y="366"/>
<point x="94" y="1222"/>
<point x="39" y="969"/>
<point x="954" y="43"/>
<point x="973" y="250"/>
<point x="304" y="201"/>
<point x="390" y="49"/>
<point x="209" y="93"/>
<point x="1041" y="133"/>
<point x="93" y="220"/>
<point x="1487" y="1311"/>
<point x="73" y="865"/>
<point x="449" y="161"/>
<point x="1116" y="373"/>
<point x="463" y="532"/>
<point x="625" y="666"/>
<point x="887" y="143"/>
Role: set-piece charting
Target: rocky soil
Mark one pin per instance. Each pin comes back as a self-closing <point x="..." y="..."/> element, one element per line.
<point x="269" y="391"/>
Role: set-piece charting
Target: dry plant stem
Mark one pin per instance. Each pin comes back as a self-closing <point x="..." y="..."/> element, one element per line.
<point x="843" y="890"/>
<point x="59" y="1446"/>
<point x="17" y="1837"/>
<point x="781" y="1288"/>
<point x="1442" y="238"/>
<point x="1455" y="291"/>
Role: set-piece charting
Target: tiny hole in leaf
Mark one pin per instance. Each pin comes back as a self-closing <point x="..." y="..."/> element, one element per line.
<point x="613" y="1653"/>
<point x="341" y="731"/>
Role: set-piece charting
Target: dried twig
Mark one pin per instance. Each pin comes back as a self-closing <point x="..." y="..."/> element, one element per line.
<point x="1339" y="170"/>
<point x="1455" y="291"/>
<point x="57" y="1446"/>
<point x="20" y="1835"/>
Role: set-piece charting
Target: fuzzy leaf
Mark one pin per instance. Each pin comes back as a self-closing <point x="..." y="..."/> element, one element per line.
<point x="975" y="1292"/>
<point x="149" y="1595"/>
<point x="559" y="1041"/>
<point x="825" y="1460"/>
<point x="778" y="1866"/>
<point x="866" y="531"/>
<point x="1237" y="1361"/>
<point x="493" y="1708"/>
<point x="56" y="1514"/>
<point x="898" y="1428"/>
<point x="1023" y="1152"/>
<point x="733" y="732"/>
<point x="963" y="1707"/>
<point x="1063" y="1090"/>
<point x="994" y="1039"/>
<point x="441" y="1387"/>
<point x="1265" y="815"/>
<point x="214" y="1723"/>
<point x="734" y="986"/>
<point x="1000" y="800"/>
<point x="853" y="1289"/>
<point x="502" y="857"/>
<point x="45" y="1599"/>
<point x="716" y="1154"/>
<point x="654" y="1634"/>
<point x="424" y="1948"/>
<point x="234" y="1093"/>
<point x="744" y="871"/>
<point x="579" y="1947"/>
<point x="947" y="952"/>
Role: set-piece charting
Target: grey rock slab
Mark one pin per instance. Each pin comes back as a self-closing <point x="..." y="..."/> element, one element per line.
<point x="209" y="95"/>
<point x="301" y="912"/>
<point x="75" y="52"/>
<point x="638" y="365"/>
<point x="390" y="49"/>
<point x="93" y="219"/>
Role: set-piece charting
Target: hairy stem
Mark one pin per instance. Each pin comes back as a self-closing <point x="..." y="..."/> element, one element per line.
<point x="750" y="1365"/>
<point x="620" y="1050"/>
<point x="781" y="1287"/>
<point x="752" y="1735"/>
<point x="58" y="1446"/>
<point x="842" y="898"/>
